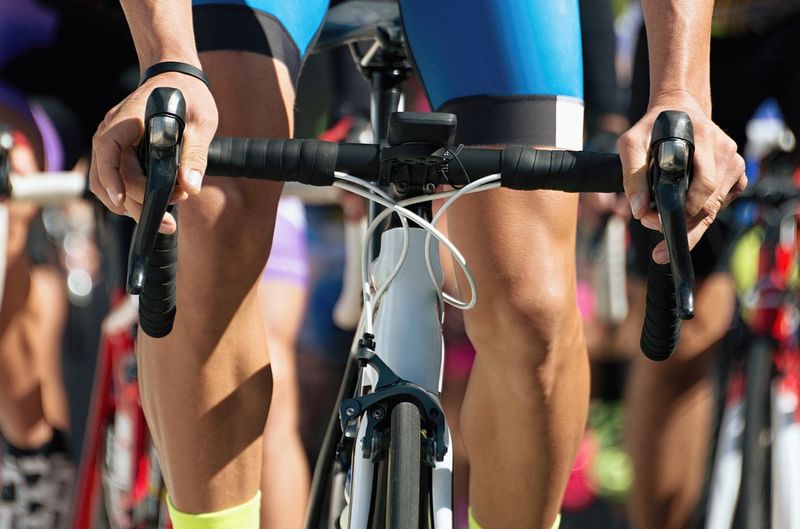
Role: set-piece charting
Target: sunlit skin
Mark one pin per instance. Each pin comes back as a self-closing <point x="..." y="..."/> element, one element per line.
<point x="526" y="401"/>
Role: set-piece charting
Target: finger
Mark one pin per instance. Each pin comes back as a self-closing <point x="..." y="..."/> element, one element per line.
<point x="132" y="175"/>
<point x="731" y="170"/>
<point x="136" y="182"/>
<point x="634" y="163"/>
<point x="660" y="253"/>
<point x="194" y="156"/>
<point x="107" y="152"/>
<point x="133" y="209"/>
<point x="652" y="221"/>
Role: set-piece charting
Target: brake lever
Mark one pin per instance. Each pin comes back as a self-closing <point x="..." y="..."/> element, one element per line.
<point x="159" y="154"/>
<point x="669" y="175"/>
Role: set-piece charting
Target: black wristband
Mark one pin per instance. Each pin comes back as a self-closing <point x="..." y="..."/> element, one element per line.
<point x="174" y="66"/>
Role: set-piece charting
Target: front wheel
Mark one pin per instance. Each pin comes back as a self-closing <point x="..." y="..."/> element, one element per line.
<point x="407" y="483"/>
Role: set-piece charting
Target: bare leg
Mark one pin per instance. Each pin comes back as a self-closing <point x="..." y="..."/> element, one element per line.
<point x="285" y="478"/>
<point x="206" y="387"/>
<point x="668" y="410"/>
<point x="527" y="398"/>
<point x="32" y="317"/>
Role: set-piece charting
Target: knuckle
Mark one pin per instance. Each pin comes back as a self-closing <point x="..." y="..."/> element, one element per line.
<point x="739" y="165"/>
<point x="195" y="152"/>
<point x="704" y="185"/>
<point x="710" y="210"/>
<point x="730" y="147"/>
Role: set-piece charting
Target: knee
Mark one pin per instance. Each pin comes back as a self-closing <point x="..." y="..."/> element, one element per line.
<point x="533" y="323"/>
<point x="231" y="218"/>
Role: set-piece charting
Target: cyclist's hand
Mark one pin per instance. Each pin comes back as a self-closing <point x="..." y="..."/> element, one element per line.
<point x="718" y="169"/>
<point x="116" y="176"/>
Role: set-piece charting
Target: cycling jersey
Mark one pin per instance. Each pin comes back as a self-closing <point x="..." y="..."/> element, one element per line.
<point x="510" y="70"/>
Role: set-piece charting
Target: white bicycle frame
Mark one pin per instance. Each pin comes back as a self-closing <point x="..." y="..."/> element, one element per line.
<point x="409" y="340"/>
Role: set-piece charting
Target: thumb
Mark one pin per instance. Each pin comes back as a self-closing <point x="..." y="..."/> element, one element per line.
<point x="194" y="158"/>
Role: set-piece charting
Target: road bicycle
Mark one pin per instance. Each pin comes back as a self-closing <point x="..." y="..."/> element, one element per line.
<point x="386" y="460"/>
<point x="754" y="478"/>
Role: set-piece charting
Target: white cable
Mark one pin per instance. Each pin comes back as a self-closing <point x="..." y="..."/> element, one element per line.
<point x="365" y="263"/>
<point x="371" y="300"/>
<point x="481" y="184"/>
<point x="454" y="252"/>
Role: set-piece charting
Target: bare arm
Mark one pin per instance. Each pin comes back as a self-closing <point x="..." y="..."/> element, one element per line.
<point x="679" y="39"/>
<point x="162" y="31"/>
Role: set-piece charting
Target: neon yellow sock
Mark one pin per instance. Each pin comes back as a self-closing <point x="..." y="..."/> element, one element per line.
<point x="245" y="516"/>
<point x="474" y="525"/>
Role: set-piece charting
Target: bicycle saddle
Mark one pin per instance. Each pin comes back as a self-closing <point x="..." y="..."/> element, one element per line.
<point x="357" y="20"/>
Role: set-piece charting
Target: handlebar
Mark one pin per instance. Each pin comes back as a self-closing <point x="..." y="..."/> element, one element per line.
<point x="315" y="162"/>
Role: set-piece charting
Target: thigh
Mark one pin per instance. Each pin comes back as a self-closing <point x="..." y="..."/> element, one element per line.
<point x="281" y="29"/>
<point x="511" y="70"/>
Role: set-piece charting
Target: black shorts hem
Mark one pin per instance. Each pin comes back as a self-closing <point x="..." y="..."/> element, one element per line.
<point x="507" y="119"/>
<point x="241" y="28"/>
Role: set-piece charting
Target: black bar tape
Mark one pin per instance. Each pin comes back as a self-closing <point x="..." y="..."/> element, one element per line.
<point x="662" y="326"/>
<point x="572" y="171"/>
<point x="157" y="299"/>
<point x="311" y="162"/>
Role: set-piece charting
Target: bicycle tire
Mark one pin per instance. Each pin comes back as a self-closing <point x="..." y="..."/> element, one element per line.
<point x="404" y="473"/>
<point x="755" y="497"/>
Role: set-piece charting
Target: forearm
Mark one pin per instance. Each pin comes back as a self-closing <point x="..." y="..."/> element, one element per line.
<point x="162" y="30"/>
<point x="679" y="40"/>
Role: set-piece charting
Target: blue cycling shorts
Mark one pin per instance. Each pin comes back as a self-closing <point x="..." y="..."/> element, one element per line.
<point x="511" y="70"/>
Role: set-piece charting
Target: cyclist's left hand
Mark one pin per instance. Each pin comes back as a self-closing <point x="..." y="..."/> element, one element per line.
<point x="718" y="169"/>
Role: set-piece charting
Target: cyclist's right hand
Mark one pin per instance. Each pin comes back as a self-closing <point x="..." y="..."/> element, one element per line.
<point x="116" y="176"/>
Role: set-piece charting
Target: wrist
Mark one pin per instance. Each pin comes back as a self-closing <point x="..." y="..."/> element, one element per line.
<point x="671" y="96"/>
<point x="148" y="59"/>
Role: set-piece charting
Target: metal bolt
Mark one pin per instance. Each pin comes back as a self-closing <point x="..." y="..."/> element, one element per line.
<point x="430" y="188"/>
<point x="377" y="413"/>
<point x="350" y="412"/>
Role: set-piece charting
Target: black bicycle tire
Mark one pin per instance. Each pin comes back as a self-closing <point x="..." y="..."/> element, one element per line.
<point x="403" y="492"/>
<point x="755" y="496"/>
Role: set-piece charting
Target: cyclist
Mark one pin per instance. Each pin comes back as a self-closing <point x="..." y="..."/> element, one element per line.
<point x="37" y="471"/>
<point x="525" y="408"/>
<point x="283" y="294"/>
<point x="753" y="57"/>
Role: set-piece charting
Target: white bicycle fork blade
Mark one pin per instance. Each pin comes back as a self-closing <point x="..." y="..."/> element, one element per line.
<point x="361" y="484"/>
<point x="785" y="457"/>
<point x="727" y="471"/>
<point x="347" y="312"/>
<point x="442" y="489"/>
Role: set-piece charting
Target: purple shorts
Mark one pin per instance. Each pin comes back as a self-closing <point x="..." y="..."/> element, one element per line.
<point x="288" y="259"/>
